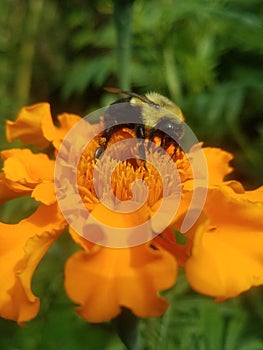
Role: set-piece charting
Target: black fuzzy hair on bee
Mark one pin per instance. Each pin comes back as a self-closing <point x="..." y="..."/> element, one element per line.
<point x="150" y="116"/>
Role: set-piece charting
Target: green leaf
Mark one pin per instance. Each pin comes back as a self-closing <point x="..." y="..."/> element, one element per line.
<point x="180" y="237"/>
<point x="127" y="327"/>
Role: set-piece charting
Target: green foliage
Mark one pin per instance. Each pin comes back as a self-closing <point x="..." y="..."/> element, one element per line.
<point x="196" y="322"/>
<point x="127" y="327"/>
<point x="180" y="237"/>
<point x="17" y="209"/>
<point x="205" y="55"/>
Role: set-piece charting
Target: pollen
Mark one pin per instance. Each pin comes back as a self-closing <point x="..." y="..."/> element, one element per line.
<point x="112" y="178"/>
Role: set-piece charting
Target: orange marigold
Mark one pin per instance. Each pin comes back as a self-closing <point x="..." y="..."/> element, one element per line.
<point x="225" y="238"/>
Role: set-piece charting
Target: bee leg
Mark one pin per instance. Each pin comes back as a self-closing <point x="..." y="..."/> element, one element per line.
<point x="151" y="137"/>
<point x="103" y="142"/>
<point x="99" y="152"/>
<point x="165" y="142"/>
<point x="176" y="148"/>
<point x="140" y="134"/>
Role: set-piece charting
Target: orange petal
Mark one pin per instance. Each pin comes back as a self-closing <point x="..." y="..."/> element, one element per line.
<point x="182" y="248"/>
<point x="56" y="134"/>
<point x="83" y="242"/>
<point x="28" y="125"/>
<point x="255" y="195"/>
<point x="106" y="279"/>
<point x="223" y="206"/>
<point x="167" y="240"/>
<point x="227" y="255"/>
<point x="239" y="192"/>
<point x="108" y="226"/>
<point x="22" y="247"/>
<point x="25" y="171"/>
<point x="6" y="193"/>
<point x="45" y="193"/>
<point x="120" y="218"/>
<point x="22" y="163"/>
<point x="217" y="164"/>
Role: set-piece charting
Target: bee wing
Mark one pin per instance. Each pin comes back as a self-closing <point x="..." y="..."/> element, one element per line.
<point x="127" y="93"/>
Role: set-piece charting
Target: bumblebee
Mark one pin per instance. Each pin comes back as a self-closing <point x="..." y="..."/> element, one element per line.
<point x="150" y="116"/>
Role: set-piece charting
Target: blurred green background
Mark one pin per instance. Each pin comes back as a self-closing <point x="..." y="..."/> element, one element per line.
<point x="207" y="56"/>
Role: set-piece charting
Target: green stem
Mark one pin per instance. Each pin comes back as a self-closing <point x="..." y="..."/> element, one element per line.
<point x="27" y="51"/>
<point x="127" y="327"/>
<point x="171" y="73"/>
<point x="123" y="21"/>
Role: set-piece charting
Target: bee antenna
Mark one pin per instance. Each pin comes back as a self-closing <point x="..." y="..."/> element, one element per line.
<point x="128" y="93"/>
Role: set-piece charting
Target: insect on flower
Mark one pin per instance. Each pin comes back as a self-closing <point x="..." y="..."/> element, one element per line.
<point x="150" y="116"/>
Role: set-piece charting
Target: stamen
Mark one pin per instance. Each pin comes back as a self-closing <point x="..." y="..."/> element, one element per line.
<point x="117" y="177"/>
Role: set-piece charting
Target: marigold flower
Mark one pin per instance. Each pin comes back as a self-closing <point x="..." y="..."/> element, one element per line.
<point x="28" y="173"/>
<point x="28" y="126"/>
<point x="226" y="257"/>
<point x="226" y="239"/>
<point x="22" y="247"/>
<point x="24" y="244"/>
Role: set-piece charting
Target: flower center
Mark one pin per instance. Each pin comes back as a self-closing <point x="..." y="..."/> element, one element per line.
<point x="130" y="179"/>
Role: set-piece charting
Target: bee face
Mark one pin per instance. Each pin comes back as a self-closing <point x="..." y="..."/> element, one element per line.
<point x="150" y="116"/>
